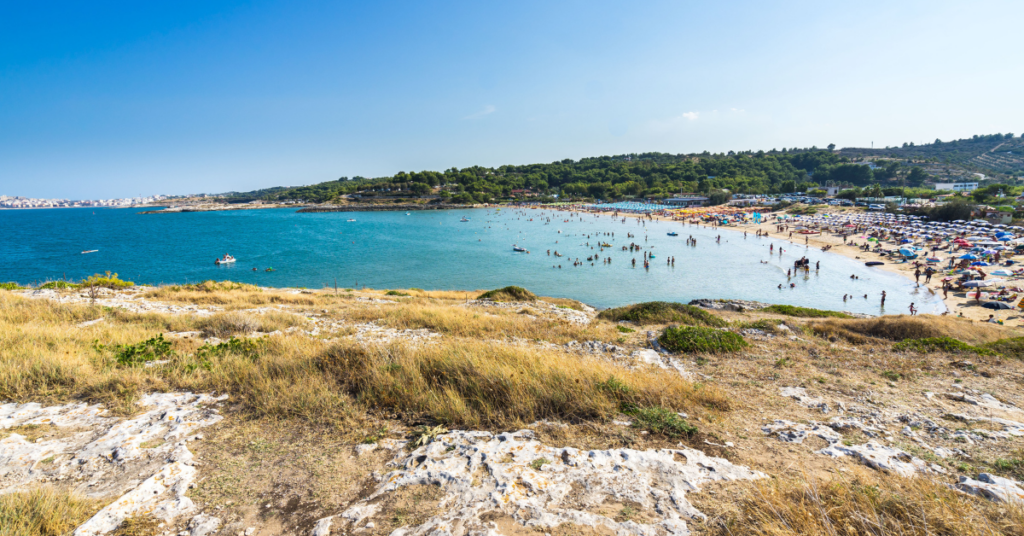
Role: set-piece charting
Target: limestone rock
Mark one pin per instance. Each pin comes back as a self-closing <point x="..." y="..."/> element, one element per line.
<point x="532" y="483"/>
<point x="993" y="488"/>
<point x="203" y="525"/>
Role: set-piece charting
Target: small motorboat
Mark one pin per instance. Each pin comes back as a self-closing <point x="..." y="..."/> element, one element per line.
<point x="873" y="263"/>
<point x="351" y="219"/>
<point x="519" y="249"/>
<point x="90" y="251"/>
<point x="227" y="259"/>
<point x="673" y="233"/>
<point x="464" y="219"/>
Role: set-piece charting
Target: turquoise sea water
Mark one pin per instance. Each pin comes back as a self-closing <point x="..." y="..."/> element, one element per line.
<point x="433" y="250"/>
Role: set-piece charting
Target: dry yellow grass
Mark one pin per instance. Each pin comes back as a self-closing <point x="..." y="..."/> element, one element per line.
<point x="867" y="506"/>
<point x="478" y="323"/>
<point x="897" y="328"/>
<point x="43" y="512"/>
<point x="224" y="325"/>
<point x="459" y="380"/>
<point x="234" y="295"/>
<point x="479" y="384"/>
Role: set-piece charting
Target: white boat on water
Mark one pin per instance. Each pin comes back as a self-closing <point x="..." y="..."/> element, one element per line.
<point x="464" y="219"/>
<point x="517" y="248"/>
<point x="90" y="251"/>
<point x="226" y="259"/>
<point x="408" y="213"/>
<point x="351" y="219"/>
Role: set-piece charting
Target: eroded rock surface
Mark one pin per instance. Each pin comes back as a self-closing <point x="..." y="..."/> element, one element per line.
<point x="542" y="487"/>
<point x="144" y="459"/>
<point x="994" y="488"/>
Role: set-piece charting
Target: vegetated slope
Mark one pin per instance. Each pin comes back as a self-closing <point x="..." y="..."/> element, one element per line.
<point x="955" y="151"/>
<point x="662" y="174"/>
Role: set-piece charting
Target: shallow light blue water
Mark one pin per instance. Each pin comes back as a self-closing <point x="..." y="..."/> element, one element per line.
<point x="433" y="250"/>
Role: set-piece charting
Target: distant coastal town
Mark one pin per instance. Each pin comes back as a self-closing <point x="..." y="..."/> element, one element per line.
<point x="29" y="202"/>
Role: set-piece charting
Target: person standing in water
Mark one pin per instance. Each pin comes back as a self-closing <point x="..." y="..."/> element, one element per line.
<point x="883" y="298"/>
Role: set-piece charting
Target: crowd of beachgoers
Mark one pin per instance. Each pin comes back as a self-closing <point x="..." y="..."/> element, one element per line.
<point x="972" y="264"/>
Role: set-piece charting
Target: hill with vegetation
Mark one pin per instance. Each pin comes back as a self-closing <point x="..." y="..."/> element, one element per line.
<point x="660" y="175"/>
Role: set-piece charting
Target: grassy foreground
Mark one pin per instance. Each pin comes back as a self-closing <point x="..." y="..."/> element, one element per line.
<point x="341" y="369"/>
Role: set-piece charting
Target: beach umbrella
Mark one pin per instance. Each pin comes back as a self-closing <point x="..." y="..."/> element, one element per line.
<point x="969" y="256"/>
<point x="1002" y="272"/>
<point x="997" y="305"/>
<point x="980" y="263"/>
<point x="1005" y="238"/>
<point x="907" y="252"/>
<point x="977" y="284"/>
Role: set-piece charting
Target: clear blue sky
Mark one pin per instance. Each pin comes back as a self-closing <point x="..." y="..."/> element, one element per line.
<point x="112" y="99"/>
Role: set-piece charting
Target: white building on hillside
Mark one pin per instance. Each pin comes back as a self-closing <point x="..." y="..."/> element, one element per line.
<point x="957" y="186"/>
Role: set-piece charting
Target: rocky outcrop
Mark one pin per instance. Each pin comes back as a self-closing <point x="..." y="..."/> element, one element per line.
<point x="145" y="459"/>
<point x="542" y="487"/>
<point x="993" y="488"/>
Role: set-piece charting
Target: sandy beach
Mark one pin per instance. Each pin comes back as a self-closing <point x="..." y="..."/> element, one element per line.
<point x="957" y="303"/>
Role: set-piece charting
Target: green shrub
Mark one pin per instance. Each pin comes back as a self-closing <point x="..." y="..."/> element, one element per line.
<point x="59" y="285"/>
<point x="1012" y="347"/>
<point x="659" y="420"/>
<point x="891" y="376"/>
<point x="939" y="344"/>
<point x="133" y="355"/>
<point x="624" y="329"/>
<point x="109" y="280"/>
<point x="803" y="312"/>
<point x="395" y="293"/>
<point x="660" y="312"/>
<point x="539" y="463"/>
<point x="1013" y="467"/>
<point x="510" y="293"/>
<point x="700" y="339"/>
<point x="249" y="348"/>
<point x="10" y="286"/>
<point x="614" y="386"/>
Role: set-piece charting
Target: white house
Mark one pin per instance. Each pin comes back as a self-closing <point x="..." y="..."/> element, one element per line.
<point x="957" y="186"/>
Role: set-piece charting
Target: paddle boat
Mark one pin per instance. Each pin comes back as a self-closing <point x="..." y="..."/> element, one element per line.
<point x="673" y="233"/>
<point x="227" y="259"/>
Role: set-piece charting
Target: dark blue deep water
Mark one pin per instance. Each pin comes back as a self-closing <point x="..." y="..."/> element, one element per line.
<point x="433" y="250"/>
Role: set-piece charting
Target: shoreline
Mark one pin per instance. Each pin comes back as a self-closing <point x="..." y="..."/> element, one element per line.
<point x="816" y="241"/>
<point x="956" y="302"/>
